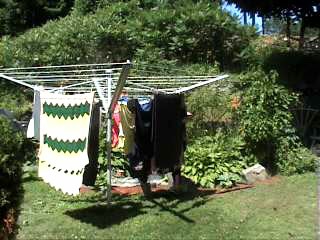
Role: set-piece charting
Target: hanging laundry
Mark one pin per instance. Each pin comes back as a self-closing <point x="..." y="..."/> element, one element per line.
<point x="33" y="130"/>
<point x="115" y="126"/>
<point x="123" y="100"/>
<point x="128" y="126"/>
<point x="142" y="151"/>
<point x="145" y="104"/>
<point x="168" y="131"/>
<point x="121" y="136"/>
<point x="64" y="128"/>
<point x="30" y="129"/>
<point x="91" y="169"/>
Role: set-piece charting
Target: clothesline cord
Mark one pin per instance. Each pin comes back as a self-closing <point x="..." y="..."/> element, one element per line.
<point x="61" y="71"/>
<point x="146" y="87"/>
<point x="64" y="66"/>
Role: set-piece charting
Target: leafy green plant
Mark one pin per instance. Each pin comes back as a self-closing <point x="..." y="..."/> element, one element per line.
<point x="264" y="110"/>
<point x="294" y="160"/>
<point x="84" y="7"/>
<point x="15" y="99"/>
<point x="266" y="123"/>
<point x="215" y="160"/>
<point x="118" y="161"/>
<point x="12" y="157"/>
<point x="259" y="50"/>
<point x="210" y="110"/>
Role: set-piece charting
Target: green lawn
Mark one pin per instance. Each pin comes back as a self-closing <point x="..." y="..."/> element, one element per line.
<point x="282" y="210"/>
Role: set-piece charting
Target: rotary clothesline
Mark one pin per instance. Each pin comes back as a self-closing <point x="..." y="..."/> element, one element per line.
<point x="80" y="78"/>
<point x="108" y="81"/>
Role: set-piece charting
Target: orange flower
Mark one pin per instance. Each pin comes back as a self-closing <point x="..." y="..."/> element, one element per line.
<point x="235" y="102"/>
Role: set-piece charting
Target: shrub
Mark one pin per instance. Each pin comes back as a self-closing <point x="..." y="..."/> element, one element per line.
<point x="11" y="162"/>
<point x="96" y="37"/>
<point x="210" y="108"/>
<point x="297" y="69"/>
<point x="295" y="160"/>
<point x="193" y="33"/>
<point x="266" y="124"/>
<point x="84" y="7"/>
<point x="260" y="49"/>
<point x="14" y="99"/>
<point x="215" y="160"/>
<point x="264" y="110"/>
<point x="187" y="32"/>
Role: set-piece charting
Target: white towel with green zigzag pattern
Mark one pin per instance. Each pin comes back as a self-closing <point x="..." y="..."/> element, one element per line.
<point x="64" y="129"/>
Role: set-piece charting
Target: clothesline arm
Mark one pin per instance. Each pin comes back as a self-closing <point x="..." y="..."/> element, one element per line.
<point x="17" y="81"/>
<point x="189" y="88"/>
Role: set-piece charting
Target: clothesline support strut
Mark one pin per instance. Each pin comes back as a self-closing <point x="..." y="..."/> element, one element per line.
<point x="109" y="139"/>
<point x="112" y="102"/>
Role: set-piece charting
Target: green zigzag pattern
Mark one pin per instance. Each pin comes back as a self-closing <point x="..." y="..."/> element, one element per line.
<point x="65" y="146"/>
<point x="66" y="111"/>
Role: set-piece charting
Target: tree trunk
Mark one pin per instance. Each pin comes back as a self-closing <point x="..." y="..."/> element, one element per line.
<point x="302" y="31"/>
<point x="245" y="22"/>
<point x="253" y="19"/>
<point x="263" y="25"/>
<point x="288" y="31"/>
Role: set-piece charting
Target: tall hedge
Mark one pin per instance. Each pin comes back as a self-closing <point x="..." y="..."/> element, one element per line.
<point x="186" y="31"/>
<point x="266" y="124"/>
<point x="11" y="161"/>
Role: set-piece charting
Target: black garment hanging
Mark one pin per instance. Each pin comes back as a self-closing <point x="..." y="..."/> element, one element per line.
<point x="91" y="169"/>
<point x="140" y="157"/>
<point x="168" y="132"/>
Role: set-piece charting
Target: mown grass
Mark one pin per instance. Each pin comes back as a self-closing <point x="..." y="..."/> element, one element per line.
<point x="285" y="209"/>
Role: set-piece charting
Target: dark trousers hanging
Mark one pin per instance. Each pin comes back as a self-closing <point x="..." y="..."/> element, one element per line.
<point x="91" y="169"/>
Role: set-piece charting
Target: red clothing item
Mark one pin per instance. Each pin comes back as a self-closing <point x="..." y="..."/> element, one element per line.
<point x="115" y="126"/>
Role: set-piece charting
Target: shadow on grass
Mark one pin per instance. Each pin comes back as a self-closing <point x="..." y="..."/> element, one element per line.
<point x="123" y="208"/>
<point x="103" y="216"/>
<point x="172" y="201"/>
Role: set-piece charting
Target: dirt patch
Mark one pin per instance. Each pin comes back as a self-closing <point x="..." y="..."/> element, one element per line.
<point x="128" y="191"/>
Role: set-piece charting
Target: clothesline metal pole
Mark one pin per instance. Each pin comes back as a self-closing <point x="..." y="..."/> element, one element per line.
<point x="109" y="138"/>
<point x="112" y="104"/>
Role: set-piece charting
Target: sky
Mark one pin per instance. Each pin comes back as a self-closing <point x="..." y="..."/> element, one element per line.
<point x="233" y="10"/>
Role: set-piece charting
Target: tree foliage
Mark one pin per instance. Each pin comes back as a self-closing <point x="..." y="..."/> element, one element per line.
<point x="188" y="33"/>
<point x="296" y="8"/>
<point x="308" y="12"/>
<point x="17" y="16"/>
